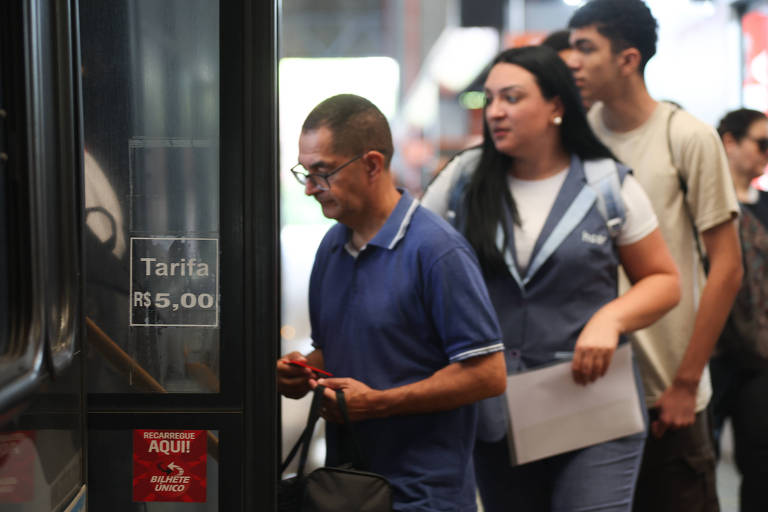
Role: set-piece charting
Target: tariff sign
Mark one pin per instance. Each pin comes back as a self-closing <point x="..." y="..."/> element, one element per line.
<point x="174" y="282"/>
<point x="169" y="465"/>
<point x="17" y="459"/>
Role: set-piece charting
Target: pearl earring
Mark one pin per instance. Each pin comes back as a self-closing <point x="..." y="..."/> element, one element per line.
<point x="557" y="121"/>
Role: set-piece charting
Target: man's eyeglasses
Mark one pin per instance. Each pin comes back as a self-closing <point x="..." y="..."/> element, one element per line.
<point x="319" y="179"/>
<point x="762" y="143"/>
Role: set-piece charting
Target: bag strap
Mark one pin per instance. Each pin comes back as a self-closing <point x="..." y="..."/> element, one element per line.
<point x="306" y="435"/>
<point x="456" y="203"/>
<point x="603" y="176"/>
<point x="467" y="163"/>
<point x="359" y="462"/>
<point x="684" y="189"/>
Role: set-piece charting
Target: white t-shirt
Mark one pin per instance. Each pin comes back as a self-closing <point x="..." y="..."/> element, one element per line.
<point x="534" y="200"/>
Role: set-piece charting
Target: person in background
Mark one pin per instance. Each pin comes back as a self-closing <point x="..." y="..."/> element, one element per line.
<point x="740" y="366"/>
<point x="680" y="162"/>
<point x="559" y="41"/>
<point x="550" y="257"/>
<point x="400" y="316"/>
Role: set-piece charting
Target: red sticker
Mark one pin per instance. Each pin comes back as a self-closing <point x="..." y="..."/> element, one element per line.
<point x="169" y="465"/>
<point x="17" y="470"/>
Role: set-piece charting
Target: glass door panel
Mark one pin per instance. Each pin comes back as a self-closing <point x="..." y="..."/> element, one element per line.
<point x="151" y="109"/>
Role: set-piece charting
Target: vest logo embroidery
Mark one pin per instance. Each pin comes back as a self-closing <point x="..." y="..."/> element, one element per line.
<point x="596" y="238"/>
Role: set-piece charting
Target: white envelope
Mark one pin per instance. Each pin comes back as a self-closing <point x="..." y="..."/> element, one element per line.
<point x="552" y="414"/>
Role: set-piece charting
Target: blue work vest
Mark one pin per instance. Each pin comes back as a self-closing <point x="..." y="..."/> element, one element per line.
<point x="571" y="274"/>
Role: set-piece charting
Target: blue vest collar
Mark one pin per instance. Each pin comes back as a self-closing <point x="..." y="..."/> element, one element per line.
<point x="573" y="202"/>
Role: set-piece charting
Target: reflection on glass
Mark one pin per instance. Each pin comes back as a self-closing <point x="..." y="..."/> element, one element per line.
<point x="5" y="303"/>
<point x="39" y="469"/>
<point x="151" y="122"/>
<point x="60" y="255"/>
<point x="17" y="466"/>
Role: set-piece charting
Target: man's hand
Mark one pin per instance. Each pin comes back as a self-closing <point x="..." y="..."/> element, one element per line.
<point x="362" y="401"/>
<point x="450" y="387"/>
<point x="677" y="408"/>
<point x="677" y="405"/>
<point x="294" y="381"/>
<point x="594" y="348"/>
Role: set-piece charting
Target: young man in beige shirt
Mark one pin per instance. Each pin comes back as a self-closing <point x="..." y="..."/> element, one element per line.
<point x="669" y="151"/>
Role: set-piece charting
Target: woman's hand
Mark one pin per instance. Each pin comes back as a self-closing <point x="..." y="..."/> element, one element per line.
<point x="595" y="347"/>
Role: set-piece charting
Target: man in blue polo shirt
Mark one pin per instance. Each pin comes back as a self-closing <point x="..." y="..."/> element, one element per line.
<point x="400" y="315"/>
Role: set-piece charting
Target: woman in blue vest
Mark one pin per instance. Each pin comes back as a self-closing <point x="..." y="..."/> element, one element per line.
<point x="551" y="216"/>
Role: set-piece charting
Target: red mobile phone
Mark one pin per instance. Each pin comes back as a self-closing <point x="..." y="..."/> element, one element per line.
<point x="305" y="365"/>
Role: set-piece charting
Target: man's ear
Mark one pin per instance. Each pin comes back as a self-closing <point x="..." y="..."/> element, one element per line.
<point x="629" y="61"/>
<point x="729" y="142"/>
<point x="374" y="161"/>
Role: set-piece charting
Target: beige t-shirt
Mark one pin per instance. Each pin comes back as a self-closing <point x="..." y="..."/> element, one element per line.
<point x="701" y="161"/>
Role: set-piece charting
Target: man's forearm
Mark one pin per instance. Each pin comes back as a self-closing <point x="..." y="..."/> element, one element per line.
<point x="455" y="385"/>
<point x="717" y="297"/>
<point x="714" y="307"/>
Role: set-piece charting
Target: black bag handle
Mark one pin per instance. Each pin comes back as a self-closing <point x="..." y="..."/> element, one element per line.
<point x="306" y="435"/>
<point x="359" y="462"/>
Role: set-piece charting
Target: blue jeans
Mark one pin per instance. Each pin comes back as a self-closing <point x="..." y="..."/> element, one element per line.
<point x="597" y="478"/>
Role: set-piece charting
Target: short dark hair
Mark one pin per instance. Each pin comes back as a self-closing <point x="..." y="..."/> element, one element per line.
<point x="558" y="40"/>
<point x="356" y="124"/>
<point x="487" y="189"/>
<point x="626" y="23"/>
<point x="737" y="122"/>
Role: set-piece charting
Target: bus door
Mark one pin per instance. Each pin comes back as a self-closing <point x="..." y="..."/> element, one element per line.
<point x="180" y="253"/>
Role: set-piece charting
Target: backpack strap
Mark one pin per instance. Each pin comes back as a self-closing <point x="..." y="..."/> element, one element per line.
<point x="604" y="178"/>
<point x="467" y="163"/>
<point x="684" y="188"/>
<point x="602" y="175"/>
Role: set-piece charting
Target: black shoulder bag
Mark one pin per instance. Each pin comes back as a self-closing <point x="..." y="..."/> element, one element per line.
<point x="331" y="489"/>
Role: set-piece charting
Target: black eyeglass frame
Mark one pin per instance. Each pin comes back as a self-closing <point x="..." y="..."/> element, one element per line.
<point x="303" y="176"/>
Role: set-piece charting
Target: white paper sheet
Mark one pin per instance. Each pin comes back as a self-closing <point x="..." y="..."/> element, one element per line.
<point x="552" y="414"/>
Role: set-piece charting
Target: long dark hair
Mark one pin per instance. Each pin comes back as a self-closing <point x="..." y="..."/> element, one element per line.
<point x="487" y="190"/>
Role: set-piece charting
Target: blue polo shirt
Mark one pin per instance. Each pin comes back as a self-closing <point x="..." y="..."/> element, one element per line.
<point x="412" y="301"/>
